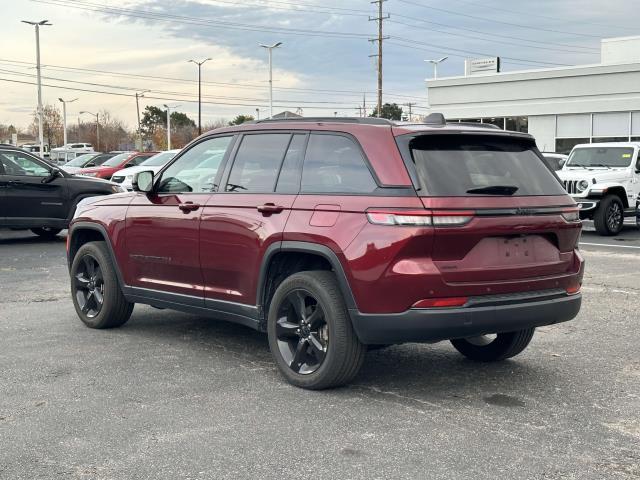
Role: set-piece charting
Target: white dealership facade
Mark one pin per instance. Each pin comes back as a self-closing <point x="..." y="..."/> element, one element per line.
<point x="559" y="106"/>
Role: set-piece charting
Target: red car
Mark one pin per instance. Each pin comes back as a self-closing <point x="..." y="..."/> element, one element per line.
<point x="118" y="162"/>
<point x="332" y="235"/>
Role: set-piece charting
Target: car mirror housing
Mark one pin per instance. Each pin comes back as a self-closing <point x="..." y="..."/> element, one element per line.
<point x="53" y="174"/>
<point x="143" y="181"/>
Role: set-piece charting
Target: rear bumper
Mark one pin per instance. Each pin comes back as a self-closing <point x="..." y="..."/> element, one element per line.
<point x="482" y="316"/>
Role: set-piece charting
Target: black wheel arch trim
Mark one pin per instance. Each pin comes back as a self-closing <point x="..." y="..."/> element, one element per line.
<point x="74" y="228"/>
<point x="303" y="247"/>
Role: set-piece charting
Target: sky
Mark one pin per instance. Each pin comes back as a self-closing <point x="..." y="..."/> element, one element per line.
<point x="103" y="51"/>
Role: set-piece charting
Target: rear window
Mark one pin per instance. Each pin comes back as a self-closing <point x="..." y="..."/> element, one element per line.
<point x="466" y="165"/>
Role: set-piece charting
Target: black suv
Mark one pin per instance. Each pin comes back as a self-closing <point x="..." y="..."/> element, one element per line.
<point x="37" y="195"/>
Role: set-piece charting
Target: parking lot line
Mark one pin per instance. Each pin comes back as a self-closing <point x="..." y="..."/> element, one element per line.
<point x="609" y="245"/>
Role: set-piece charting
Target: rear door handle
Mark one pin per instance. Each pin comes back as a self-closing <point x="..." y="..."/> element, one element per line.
<point x="188" y="207"/>
<point x="269" y="208"/>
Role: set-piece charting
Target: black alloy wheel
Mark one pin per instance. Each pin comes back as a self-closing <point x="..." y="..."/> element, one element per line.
<point x="302" y="332"/>
<point x="615" y="217"/>
<point x="89" y="283"/>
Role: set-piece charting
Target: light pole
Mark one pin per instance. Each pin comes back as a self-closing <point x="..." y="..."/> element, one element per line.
<point x="435" y="65"/>
<point x="64" y="118"/>
<point x="270" y="49"/>
<point x="40" y="112"/>
<point x="169" y="107"/>
<point x="138" y="96"/>
<point x="97" y="115"/>
<point x="199" y="64"/>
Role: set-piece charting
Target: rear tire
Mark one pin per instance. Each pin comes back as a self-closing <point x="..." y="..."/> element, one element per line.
<point x="95" y="289"/>
<point x="505" y="345"/>
<point x="609" y="217"/>
<point x="47" y="232"/>
<point x="310" y="332"/>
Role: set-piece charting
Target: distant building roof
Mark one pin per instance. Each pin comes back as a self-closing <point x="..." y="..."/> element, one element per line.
<point x="286" y="114"/>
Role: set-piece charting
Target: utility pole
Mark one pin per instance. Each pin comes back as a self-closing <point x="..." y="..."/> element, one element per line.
<point x="410" y="106"/>
<point x="168" y="107"/>
<point x="364" y="104"/>
<point x="139" y="95"/>
<point x="64" y="118"/>
<point x="380" y="19"/>
<point x="40" y="111"/>
<point x="199" y="64"/>
<point x="97" y="115"/>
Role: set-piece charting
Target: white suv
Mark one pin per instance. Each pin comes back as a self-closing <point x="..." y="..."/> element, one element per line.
<point x="604" y="180"/>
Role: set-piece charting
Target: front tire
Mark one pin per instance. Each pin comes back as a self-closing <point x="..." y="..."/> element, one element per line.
<point x="310" y="332"/>
<point x="488" y="348"/>
<point x="609" y="217"/>
<point x="95" y="290"/>
<point x="47" y="232"/>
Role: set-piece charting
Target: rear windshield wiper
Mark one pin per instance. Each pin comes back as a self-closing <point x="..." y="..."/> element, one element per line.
<point x="495" y="190"/>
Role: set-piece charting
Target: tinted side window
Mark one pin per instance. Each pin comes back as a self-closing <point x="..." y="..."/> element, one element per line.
<point x="289" y="179"/>
<point x="334" y="164"/>
<point x="19" y="164"/>
<point x="195" y="171"/>
<point x="257" y="162"/>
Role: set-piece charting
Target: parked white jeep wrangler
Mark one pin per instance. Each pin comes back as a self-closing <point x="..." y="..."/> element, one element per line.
<point x="604" y="180"/>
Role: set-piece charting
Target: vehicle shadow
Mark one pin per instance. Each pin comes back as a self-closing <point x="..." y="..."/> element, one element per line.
<point x="414" y="375"/>
<point x="25" y="237"/>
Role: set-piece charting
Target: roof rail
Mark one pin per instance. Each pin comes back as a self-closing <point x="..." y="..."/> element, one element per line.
<point x="365" y="120"/>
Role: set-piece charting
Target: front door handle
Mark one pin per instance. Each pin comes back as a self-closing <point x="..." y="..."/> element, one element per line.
<point x="188" y="207"/>
<point x="269" y="208"/>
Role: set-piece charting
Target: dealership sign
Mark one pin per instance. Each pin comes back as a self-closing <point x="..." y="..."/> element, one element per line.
<point x="482" y="65"/>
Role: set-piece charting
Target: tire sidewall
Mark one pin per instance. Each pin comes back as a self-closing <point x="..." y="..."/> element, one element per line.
<point x="334" y="312"/>
<point x="604" y="207"/>
<point x="110" y="283"/>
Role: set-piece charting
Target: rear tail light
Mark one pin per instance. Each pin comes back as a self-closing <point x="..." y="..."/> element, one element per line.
<point x="448" y="302"/>
<point x="421" y="218"/>
<point x="571" y="214"/>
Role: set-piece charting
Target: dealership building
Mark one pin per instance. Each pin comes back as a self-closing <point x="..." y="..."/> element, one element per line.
<point x="560" y="107"/>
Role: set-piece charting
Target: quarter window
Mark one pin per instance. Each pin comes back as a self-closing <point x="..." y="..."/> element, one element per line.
<point x="257" y="162"/>
<point x="195" y="171"/>
<point x="289" y="179"/>
<point x="334" y="164"/>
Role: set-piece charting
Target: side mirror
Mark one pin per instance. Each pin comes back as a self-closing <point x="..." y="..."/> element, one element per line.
<point x="53" y="174"/>
<point x="143" y="181"/>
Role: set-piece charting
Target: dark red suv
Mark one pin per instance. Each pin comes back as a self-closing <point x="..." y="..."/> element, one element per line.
<point x="332" y="235"/>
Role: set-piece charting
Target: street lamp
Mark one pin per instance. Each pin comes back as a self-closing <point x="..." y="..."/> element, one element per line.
<point x="270" y="49"/>
<point x="64" y="118"/>
<point x="169" y="107"/>
<point x="435" y="66"/>
<point x="40" y="112"/>
<point x="199" y="64"/>
<point x="97" y="115"/>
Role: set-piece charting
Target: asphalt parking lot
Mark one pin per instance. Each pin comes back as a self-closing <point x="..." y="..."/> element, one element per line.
<point x="172" y="395"/>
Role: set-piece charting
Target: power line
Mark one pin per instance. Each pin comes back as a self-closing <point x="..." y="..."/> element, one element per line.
<point x="63" y="68"/>
<point x="531" y="14"/>
<point x="409" y="2"/>
<point x="129" y="12"/>
<point x="83" y="5"/>
<point x="573" y="52"/>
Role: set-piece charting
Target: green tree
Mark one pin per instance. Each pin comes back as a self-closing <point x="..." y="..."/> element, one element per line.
<point x="392" y="111"/>
<point x="240" y="119"/>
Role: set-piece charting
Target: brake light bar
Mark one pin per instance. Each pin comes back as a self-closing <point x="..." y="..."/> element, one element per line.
<point x="420" y="218"/>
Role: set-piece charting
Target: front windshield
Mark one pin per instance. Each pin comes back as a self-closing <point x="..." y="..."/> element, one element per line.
<point x="117" y="160"/>
<point x="80" y="161"/>
<point x="159" y="159"/>
<point x="607" y="157"/>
